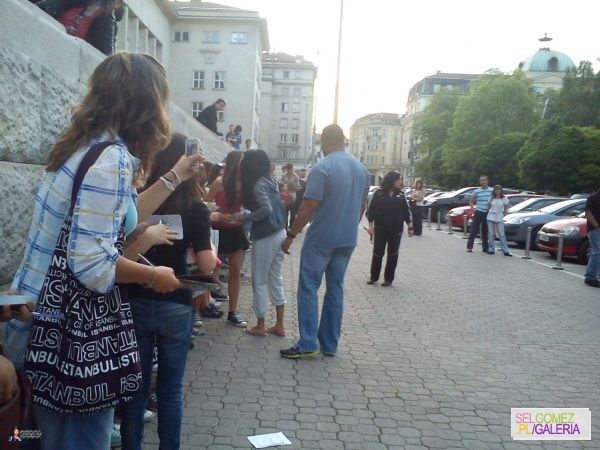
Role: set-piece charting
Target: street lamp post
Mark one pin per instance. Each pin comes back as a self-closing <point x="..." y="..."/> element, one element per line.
<point x="337" y="78"/>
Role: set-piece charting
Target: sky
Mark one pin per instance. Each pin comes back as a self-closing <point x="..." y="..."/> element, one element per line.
<point x="390" y="45"/>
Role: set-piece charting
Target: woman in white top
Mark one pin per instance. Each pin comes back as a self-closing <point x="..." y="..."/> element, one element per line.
<point x="416" y="203"/>
<point x="498" y="207"/>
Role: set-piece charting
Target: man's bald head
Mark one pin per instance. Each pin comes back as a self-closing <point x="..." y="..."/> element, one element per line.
<point x="332" y="139"/>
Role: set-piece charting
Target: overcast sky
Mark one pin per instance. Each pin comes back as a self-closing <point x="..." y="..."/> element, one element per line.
<point x="389" y="45"/>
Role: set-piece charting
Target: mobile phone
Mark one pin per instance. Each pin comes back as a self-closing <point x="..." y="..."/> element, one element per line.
<point x="192" y="147"/>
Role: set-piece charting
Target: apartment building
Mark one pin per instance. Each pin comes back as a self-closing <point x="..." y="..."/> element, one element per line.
<point x="287" y="100"/>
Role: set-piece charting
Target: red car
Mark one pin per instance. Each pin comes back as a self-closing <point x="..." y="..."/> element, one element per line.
<point x="575" y="240"/>
<point x="456" y="214"/>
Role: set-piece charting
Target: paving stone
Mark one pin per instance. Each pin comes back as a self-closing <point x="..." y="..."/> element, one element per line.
<point x="432" y="362"/>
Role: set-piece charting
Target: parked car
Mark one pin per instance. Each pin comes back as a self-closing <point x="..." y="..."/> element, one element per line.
<point x="446" y="202"/>
<point x="434" y="195"/>
<point x="516" y="224"/>
<point x="456" y="214"/>
<point x="535" y="203"/>
<point x="575" y="240"/>
<point x="582" y="195"/>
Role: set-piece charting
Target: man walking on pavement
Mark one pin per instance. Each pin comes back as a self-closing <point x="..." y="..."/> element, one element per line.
<point x="480" y="203"/>
<point x="335" y="199"/>
<point x="592" y="214"/>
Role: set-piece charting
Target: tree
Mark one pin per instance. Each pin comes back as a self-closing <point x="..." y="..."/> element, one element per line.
<point x="498" y="104"/>
<point x="498" y="159"/>
<point x="561" y="159"/>
<point x="431" y="131"/>
<point x="578" y="102"/>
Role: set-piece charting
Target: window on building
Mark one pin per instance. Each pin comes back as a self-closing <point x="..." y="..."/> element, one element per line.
<point x="384" y="134"/>
<point x="197" y="108"/>
<point x="182" y="36"/>
<point x="198" y="82"/>
<point x="383" y="160"/>
<point x="293" y="154"/>
<point x="295" y="123"/>
<point x="238" y="37"/>
<point x="283" y="123"/>
<point x="296" y="107"/>
<point x="395" y="149"/>
<point x="297" y="92"/>
<point x="282" y="153"/>
<point x="283" y="138"/>
<point x="553" y="64"/>
<point x="210" y="36"/>
<point x="220" y="116"/>
<point x="383" y="146"/>
<point x="286" y="74"/>
<point x="285" y="107"/>
<point x="294" y="138"/>
<point x="285" y="92"/>
<point x="436" y="88"/>
<point x="374" y="133"/>
<point x="297" y="74"/>
<point x="364" y="146"/>
<point x="219" y="82"/>
<point x="396" y="135"/>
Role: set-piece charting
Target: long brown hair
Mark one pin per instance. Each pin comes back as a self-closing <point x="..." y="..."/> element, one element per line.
<point x="190" y="191"/>
<point x="231" y="176"/>
<point x="127" y="95"/>
<point x="388" y="181"/>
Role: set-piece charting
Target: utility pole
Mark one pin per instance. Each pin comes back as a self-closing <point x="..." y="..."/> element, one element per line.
<point x="337" y="78"/>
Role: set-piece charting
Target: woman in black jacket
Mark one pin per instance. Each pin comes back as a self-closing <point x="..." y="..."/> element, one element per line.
<point x="387" y="213"/>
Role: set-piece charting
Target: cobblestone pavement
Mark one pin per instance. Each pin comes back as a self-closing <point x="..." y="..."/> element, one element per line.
<point x="435" y="361"/>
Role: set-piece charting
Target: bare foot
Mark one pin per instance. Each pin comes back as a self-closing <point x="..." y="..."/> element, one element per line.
<point x="255" y="331"/>
<point x="277" y="331"/>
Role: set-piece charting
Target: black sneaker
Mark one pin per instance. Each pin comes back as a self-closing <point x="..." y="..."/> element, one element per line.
<point x="593" y="283"/>
<point x="371" y="281"/>
<point x="294" y="353"/>
<point x="152" y="404"/>
<point x="234" y="319"/>
<point x="211" y="312"/>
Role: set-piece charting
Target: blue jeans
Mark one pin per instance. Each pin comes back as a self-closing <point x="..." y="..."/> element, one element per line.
<point x="591" y="271"/>
<point x="170" y="326"/>
<point x="73" y="431"/>
<point x="314" y="262"/>
<point x="501" y="236"/>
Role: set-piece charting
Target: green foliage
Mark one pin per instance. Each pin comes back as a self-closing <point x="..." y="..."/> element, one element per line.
<point x="498" y="159"/>
<point x="431" y="131"/>
<point x="578" y="102"/>
<point x="498" y="104"/>
<point x="561" y="159"/>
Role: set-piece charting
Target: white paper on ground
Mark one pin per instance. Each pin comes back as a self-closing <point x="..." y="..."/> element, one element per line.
<point x="269" y="440"/>
<point x="172" y="221"/>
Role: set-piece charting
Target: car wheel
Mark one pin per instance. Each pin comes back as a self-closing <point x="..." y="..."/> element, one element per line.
<point x="552" y="254"/>
<point x="520" y="244"/>
<point x="443" y="214"/>
<point x="534" y="233"/>
<point x="583" y="252"/>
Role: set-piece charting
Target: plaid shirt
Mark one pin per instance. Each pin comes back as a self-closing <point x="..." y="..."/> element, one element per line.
<point x="100" y="207"/>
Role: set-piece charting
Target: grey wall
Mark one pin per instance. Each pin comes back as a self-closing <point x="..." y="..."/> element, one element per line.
<point x="43" y="72"/>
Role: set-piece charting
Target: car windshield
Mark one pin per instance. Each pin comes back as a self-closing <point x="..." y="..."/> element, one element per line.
<point x="552" y="209"/>
<point x="525" y="204"/>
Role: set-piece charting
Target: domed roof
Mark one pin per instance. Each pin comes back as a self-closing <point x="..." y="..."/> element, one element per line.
<point x="546" y="60"/>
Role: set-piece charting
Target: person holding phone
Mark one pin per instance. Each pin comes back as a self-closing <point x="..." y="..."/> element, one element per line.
<point x="165" y="319"/>
<point x="126" y="108"/>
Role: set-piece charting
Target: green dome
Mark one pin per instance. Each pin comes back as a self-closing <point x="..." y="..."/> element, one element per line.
<point x="546" y="60"/>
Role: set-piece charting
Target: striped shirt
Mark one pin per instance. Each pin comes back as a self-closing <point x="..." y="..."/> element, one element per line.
<point x="100" y="207"/>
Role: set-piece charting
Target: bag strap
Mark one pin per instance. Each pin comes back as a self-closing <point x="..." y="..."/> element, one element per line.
<point x="88" y="161"/>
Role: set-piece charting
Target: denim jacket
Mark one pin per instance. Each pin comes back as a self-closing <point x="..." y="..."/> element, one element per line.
<point x="269" y="217"/>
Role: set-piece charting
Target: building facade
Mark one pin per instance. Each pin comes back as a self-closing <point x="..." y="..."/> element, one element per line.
<point x="375" y="140"/>
<point x="418" y="99"/>
<point x="287" y="101"/>
<point x="215" y="52"/>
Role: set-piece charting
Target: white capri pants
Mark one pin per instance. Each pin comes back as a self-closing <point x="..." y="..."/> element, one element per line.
<point x="267" y="263"/>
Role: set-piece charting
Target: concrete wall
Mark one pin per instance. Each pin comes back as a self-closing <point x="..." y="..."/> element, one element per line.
<point x="43" y="72"/>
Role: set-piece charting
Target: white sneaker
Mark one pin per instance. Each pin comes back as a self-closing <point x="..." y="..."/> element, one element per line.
<point x="197" y="319"/>
<point x="148" y="416"/>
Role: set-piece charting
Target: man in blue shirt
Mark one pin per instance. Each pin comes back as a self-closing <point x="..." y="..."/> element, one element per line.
<point x="335" y="199"/>
<point x="480" y="203"/>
